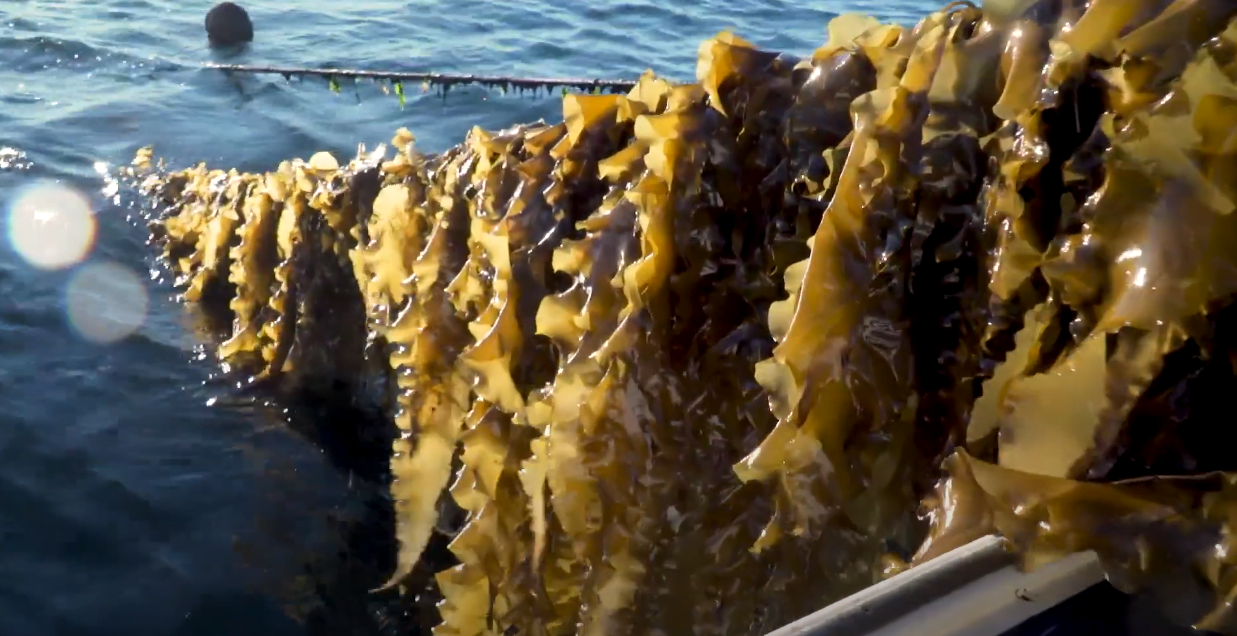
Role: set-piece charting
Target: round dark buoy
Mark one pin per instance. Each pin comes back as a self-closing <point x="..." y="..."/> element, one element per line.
<point x="227" y="24"/>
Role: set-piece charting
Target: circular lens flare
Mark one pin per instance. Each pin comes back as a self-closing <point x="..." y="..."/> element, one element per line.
<point x="106" y="302"/>
<point x="51" y="225"/>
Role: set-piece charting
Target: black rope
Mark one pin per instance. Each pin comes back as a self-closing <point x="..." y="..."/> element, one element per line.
<point x="446" y="80"/>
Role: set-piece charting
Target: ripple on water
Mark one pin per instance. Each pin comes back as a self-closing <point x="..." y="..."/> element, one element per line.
<point x="41" y="52"/>
<point x="23" y="25"/>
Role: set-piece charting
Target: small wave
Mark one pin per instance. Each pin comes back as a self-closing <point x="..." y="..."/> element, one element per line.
<point x="22" y="98"/>
<point x="40" y="52"/>
<point x="46" y="53"/>
<point x="22" y="24"/>
<point x="620" y="13"/>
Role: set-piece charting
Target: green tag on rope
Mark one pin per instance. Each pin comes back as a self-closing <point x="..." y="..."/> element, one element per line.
<point x="399" y="92"/>
<point x="333" y="83"/>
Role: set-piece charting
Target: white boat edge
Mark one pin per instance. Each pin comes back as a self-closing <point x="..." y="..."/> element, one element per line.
<point x="975" y="590"/>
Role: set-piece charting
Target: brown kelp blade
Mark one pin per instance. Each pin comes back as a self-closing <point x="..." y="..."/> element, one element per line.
<point x="691" y="360"/>
<point x="1166" y="533"/>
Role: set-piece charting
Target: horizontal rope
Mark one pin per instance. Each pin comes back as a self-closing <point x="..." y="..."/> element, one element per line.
<point x="439" y="79"/>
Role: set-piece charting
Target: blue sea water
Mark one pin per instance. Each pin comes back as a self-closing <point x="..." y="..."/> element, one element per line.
<point x="131" y="500"/>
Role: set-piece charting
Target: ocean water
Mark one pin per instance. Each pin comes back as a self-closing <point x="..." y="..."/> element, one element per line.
<point x="136" y="498"/>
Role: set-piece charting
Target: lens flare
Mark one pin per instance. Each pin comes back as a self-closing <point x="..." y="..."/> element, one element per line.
<point x="106" y="302"/>
<point x="51" y="225"/>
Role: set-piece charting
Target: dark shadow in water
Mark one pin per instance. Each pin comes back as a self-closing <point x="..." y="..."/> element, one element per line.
<point x="234" y="54"/>
<point x="1102" y="610"/>
<point x="235" y="614"/>
<point x="228" y="54"/>
<point x="332" y="595"/>
<point x="354" y="550"/>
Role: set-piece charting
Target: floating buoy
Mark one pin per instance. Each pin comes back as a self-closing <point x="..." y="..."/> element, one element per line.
<point x="228" y="24"/>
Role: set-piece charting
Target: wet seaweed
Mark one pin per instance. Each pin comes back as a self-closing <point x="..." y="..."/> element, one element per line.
<point x="702" y="357"/>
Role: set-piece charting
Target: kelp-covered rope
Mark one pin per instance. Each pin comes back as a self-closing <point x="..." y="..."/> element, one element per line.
<point x="695" y="359"/>
<point x="446" y="80"/>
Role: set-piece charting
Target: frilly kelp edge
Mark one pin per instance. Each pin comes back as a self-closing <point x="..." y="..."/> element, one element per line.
<point x="702" y="358"/>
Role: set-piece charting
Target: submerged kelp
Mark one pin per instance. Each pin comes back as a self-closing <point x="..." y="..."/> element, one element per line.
<point x="708" y="346"/>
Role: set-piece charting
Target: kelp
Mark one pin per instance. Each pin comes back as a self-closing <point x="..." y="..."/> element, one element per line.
<point x="700" y="358"/>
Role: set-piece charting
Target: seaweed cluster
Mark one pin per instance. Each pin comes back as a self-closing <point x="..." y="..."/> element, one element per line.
<point x="701" y="358"/>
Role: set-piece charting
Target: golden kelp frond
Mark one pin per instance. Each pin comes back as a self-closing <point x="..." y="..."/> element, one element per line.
<point x="1127" y="289"/>
<point x="689" y="359"/>
<point x="1133" y="321"/>
<point x="239" y="240"/>
<point x="1172" y="534"/>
